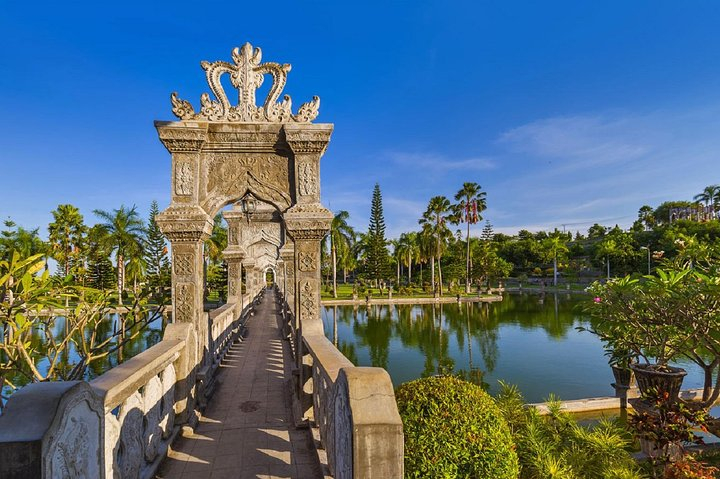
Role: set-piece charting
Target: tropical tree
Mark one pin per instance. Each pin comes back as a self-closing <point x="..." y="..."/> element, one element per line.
<point x="553" y="246"/>
<point x="16" y="238"/>
<point x="341" y="239"/>
<point x="434" y="223"/>
<point x="212" y="254"/>
<point x="409" y="251"/>
<point x="646" y="217"/>
<point x="377" y="262"/>
<point x="156" y="252"/>
<point x="66" y="235"/>
<point x="124" y="230"/>
<point x="96" y="253"/>
<point x="710" y="196"/>
<point x="470" y="203"/>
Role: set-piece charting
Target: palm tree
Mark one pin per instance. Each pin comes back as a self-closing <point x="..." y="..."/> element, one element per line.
<point x="136" y="267"/>
<point x="554" y="245"/>
<point x="66" y="234"/>
<point x="124" y="229"/>
<point x="213" y="248"/>
<point x="607" y="248"/>
<point x="341" y="237"/>
<point x="346" y="258"/>
<point x="434" y="225"/>
<point x="710" y="195"/>
<point x="471" y="202"/>
<point x="408" y="251"/>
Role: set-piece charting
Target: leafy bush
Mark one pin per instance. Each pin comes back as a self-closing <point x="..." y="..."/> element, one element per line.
<point x="690" y="468"/>
<point x="555" y="446"/>
<point x="454" y="429"/>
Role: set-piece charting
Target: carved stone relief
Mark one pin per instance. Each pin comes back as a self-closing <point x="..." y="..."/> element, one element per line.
<point x="231" y="175"/>
<point x="308" y="178"/>
<point x="74" y="448"/>
<point x="183" y="263"/>
<point x="167" y="411"/>
<point x="184" y="302"/>
<point x="130" y="453"/>
<point x="152" y="396"/>
<point x="307" y="261"/>
<point x="184" y="178"/>
<point x="308" y="301"/>
<point x="343" y="432"/>
<point x="233" y="275"/>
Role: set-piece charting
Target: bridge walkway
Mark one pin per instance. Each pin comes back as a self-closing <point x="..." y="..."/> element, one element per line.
<point x="247" y="430"/>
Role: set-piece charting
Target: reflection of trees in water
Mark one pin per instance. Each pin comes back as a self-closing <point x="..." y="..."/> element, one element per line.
<point x="555" y="313"/>
<point x="417" y="327"/>
<point x="474" y="327"/>
<point x="348" y="350"/>
<point x="375" y="333"/>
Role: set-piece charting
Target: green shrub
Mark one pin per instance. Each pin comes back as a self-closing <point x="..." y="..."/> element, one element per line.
<point x="555" y="446"/>
<point x="454" y="429"/>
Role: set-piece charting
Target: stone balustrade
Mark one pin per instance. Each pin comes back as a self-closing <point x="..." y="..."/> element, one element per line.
<point x="354" y="409"/>
<point x="139" y="409"/>
<point x="121" y="423"/>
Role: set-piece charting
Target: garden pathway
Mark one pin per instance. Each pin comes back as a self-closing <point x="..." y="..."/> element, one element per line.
<point x="247" y="430"/>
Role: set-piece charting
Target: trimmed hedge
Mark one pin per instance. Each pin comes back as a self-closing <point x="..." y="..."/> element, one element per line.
<point x="454" y="429"/>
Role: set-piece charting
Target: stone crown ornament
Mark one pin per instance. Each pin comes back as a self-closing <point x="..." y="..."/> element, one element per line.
<point x="247" y="75"/>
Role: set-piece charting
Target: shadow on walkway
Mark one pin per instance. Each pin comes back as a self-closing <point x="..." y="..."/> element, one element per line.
<point x="246" y="430"/>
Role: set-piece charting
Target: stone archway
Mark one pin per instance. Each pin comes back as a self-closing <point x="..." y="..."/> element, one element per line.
<point x="270" y="275"/>
<point x="224" y="152"/>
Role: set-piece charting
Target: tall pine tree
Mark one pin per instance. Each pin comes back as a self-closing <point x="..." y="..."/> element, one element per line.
<point x="156" y="257"/>
<point x="377" y="265"/>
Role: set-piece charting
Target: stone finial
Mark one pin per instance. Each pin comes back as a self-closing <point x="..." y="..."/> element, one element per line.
<point x="247" y="75"/>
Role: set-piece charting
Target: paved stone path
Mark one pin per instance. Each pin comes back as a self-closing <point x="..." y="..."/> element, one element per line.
<point x="246" y="430"/>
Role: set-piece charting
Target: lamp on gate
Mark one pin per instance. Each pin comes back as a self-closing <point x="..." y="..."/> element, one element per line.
<point x="248" y="205"/>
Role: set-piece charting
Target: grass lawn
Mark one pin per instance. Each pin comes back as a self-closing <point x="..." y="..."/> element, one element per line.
<point x="344" y="291"/>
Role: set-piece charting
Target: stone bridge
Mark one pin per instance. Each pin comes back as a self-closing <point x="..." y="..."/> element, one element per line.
<point x="254" y="388"/>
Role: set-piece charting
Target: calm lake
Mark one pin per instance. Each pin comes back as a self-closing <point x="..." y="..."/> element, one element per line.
<point x="527" y="339"/>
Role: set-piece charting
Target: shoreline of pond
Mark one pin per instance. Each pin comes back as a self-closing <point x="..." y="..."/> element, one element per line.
<point x="443" y="299"/>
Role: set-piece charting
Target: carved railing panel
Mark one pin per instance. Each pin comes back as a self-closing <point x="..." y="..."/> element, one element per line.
<point x="355" y="411"/>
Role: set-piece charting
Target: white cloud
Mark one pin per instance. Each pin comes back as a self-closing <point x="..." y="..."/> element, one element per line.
<point x="439" y="162"/>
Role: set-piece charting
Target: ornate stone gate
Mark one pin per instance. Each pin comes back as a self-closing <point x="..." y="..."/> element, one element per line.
<point x="225" y="152"/>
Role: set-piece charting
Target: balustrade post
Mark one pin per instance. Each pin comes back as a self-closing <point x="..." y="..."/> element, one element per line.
<point x="307" y="223"/>
<point x="187" y="227"/>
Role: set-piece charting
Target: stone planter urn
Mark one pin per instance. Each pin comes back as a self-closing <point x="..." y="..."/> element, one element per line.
<point x="663" y="379"/>
<point x="673" y="452"/>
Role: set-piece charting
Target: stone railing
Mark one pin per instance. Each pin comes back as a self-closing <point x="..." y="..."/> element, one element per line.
<point x="225" y="324"/>
<point x="354" y="409"/>
<point x="139" y="405"/>
<point x="121" y="424"/>
<point x="118" y="425"/>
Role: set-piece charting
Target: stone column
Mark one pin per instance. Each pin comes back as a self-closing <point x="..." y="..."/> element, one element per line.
<point x="187" y="227"/>
<point x="307" y="223"/>
<point x="251" y="273"/>
<point x="287" y="254"/>
<point x="234" y="256"/>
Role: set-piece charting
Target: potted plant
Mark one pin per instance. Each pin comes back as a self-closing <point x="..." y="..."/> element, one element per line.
<point x="620" y="360"/>
<point x="644" y="317"/>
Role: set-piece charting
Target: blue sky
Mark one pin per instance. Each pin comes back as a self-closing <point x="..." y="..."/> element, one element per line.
<point x="565" y="112"/>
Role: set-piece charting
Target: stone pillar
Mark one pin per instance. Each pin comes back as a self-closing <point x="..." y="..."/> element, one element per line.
<point x="250" y="276"/>
<point x="187" y="227"/>
<point x="307" y="223"/>
<point x="287" y="254"/>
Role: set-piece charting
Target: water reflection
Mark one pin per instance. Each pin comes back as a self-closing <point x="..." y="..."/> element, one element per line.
<point x="527" y="339"/>
<point x="103" y="336"/>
